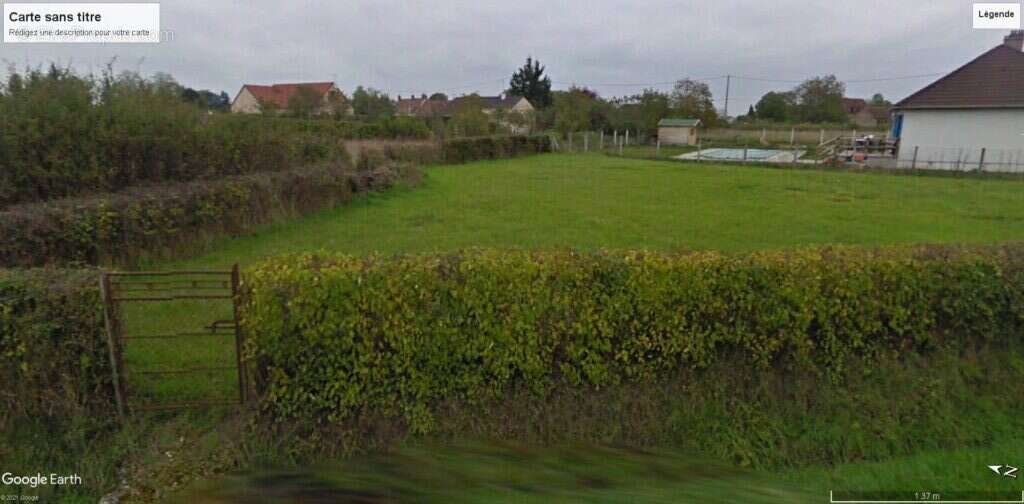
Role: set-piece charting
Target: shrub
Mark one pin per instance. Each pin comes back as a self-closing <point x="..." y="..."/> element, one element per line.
<point x="166" y="220"/>
<point x="64" y="135"/>
<point x="336" y="337"/>
<point x="53" y="351"/>
<point x="462" y="150"/>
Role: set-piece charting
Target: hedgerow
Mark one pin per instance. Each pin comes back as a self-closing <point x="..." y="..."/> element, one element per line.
<point x="455" y="151"/>
<point x="64" y="135"/>
<point x="167" y="220"/>
<point x="464" y="150"/>
<point x="53" y="355"/>
<point x="335" y="337"/>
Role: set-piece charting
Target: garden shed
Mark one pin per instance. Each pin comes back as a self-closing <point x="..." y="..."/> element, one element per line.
<point x="678" y="131"/>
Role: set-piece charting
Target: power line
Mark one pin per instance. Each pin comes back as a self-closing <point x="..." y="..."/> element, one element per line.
<point x="671" y="82"/>
<point x="847" y="81"/>
<point x="638" y="84"/>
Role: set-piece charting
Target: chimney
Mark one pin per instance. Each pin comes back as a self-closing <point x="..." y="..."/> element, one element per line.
<point x="1015" y="40"/>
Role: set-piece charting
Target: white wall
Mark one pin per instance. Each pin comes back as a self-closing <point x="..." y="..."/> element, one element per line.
<point x="953" y="139"/>
<point x="676" y="135"/>
<point x="245" y="103"/>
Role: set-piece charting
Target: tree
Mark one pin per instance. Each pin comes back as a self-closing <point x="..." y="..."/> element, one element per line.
<point x="572" y="109"/>
<point x="303" y="103"/>
<point x="879" y="101"/>
<point x="531" y="83"/>
<point x="369" y="103"/>
<point x="650" y="107"/>
<point x="691" y="98"/>
<point x="468" y="117"/>
<point x="820" y="99"/>
<point x="775" y="106"/>
<point x="439" y="97"/>
<point x="206" y="99"/>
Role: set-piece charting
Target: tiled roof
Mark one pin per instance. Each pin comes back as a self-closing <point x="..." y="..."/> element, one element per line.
<point x="491" y="102"/>
<point x="992" y="80"/>
<point x="279" y="94"/>
<point x="421" y="107"/>
<point x="425" y="107"/>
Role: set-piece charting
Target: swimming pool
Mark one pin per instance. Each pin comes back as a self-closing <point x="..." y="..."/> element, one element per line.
<point x="766" y="155"/>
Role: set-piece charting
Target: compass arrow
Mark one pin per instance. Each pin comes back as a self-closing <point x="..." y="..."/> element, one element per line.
<point x="996" y="469"/>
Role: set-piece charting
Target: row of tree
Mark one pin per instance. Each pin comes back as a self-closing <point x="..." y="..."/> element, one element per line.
<point x="816" y="100"/>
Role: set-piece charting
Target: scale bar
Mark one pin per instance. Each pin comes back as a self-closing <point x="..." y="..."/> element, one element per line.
<point x="832" y="500"/>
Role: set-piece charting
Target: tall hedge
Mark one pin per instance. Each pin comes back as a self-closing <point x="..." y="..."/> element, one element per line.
<point x="167" y="220"/>
<point x="64" y="135"/>
<point x="53" y="351"/>
<point x="336" y="336"/>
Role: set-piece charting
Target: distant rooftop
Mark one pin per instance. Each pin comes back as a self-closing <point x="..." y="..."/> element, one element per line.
<point x="679" y="122"/>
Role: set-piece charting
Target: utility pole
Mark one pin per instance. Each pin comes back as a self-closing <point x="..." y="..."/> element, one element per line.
<point x="727" y="79"/>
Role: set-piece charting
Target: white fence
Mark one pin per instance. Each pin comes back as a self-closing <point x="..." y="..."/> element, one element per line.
<point x="788" y="136"/>
<point x="984" y="159"/>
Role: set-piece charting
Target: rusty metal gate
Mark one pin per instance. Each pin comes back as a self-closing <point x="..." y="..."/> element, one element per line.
<point x="179" y="309"/>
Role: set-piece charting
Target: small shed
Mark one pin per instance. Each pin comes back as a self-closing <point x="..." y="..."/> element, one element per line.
<point x="678" y="131"/>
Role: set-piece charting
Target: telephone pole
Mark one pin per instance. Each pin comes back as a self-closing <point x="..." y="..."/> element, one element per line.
<point x="727" y="79"/>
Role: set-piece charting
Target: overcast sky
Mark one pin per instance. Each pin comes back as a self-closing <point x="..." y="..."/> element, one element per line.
<point x="464" y="46"/>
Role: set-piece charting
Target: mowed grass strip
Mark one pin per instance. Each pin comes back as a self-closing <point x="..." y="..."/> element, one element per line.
<point x="590" y="201"/>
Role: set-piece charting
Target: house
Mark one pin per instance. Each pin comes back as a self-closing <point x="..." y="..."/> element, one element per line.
<point x="422" y="107"/>
<point x="253" y="98"/>
<point x="678" y="131"/>
<point x="500" y="106"/>
<point x="866" y="116"/>
<point x="972" y="117"/>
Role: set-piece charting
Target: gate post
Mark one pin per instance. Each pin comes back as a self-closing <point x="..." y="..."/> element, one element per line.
<point x="242" y="392"/>
<point x="113" y="343"/>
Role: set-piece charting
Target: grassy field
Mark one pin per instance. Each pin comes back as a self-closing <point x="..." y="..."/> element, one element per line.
<point x="589" y="202"/>
<point x="594" y="201"/>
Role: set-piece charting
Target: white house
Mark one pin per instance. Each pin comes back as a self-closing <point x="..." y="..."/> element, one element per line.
<point x="971" y="118"/>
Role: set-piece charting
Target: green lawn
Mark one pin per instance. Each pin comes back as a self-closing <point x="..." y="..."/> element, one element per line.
<point x="594" y="201"/>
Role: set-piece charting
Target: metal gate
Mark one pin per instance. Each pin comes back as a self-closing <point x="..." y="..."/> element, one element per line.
<point x="178" y="325"/>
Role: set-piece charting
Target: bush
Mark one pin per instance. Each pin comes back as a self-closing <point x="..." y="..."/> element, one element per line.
<point x="53" y="351"/>
<point x="167" y="220"/>
<point x="462" y="150"/>
<point x="336" y="337"/>
<point x="65" y="135"/>
<point x="465" y="150"/>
